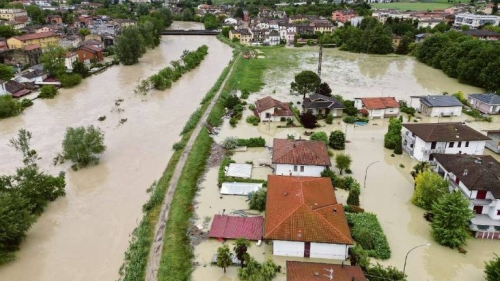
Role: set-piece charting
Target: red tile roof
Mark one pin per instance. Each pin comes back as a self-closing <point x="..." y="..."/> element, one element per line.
<point x="304" y="209"/>
<point x="34" y="36"/>
<point x="380" y="103"/>
<point x="90" y="48"/>
<point x="32" y="47"/>
<point x="280" y="108"/>
<point x="300" y="152"/>
<point x="232" y="227"/>
<point x="312" y="271"/>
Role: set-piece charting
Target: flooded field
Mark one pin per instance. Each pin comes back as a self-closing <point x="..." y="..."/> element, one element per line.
<point x="389" y="185"/>
<point x="83" y="235"/>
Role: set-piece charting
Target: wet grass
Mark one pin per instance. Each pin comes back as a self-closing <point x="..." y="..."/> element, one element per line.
<point x="136" y="256"/>
<point x="413" y="6"/>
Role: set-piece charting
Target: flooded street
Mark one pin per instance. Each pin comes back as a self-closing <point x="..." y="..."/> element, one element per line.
<point x="83" y="236"/>
<point x="389" y="186"/>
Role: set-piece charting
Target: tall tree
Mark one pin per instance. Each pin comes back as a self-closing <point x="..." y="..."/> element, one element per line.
<point x="429" y="187"/>
<point x="343" y="162"/>
<point x="451" y="219"/>
<point x="129" y="45"/>
<point x="53" y="60"/>
<point x="224" y="257"/>
<point x="324" y="89"/>
<point x="82" y="145"/>
<point x="492" y="269"/>
<point x="305" y="82"/>
<point x="241" y="246"/>
<point x="6" y="72"/>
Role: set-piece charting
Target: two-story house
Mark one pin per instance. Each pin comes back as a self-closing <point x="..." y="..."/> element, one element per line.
<point x="494" y="143"/>
<point x="343" y="16"/>
<point x="44" y="40"/>
<point x="304" y="219"/>
<point x="300" y="157"/>
<point x="486" y="103"/>
<point x="422" y="140"/>
<point x="478" y="179"/>
<point x="269" y="109"/>
<point x="382" y="107"/>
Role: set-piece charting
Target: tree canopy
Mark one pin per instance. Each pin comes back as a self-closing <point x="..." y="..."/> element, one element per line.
<point x="6" y="72"/>
<point x="82" y="145"/>
<point x="53" y="60"/>
<point x="429" y="187"/>
<point x="305" y="82"/>
<point x="342" y="162"/>
<point x="337" y="140"/>
<point x="258" y="200"/>
<point x="224" y="257"/>
<point x="9" y="106"/>
<point x="492" y="269"/>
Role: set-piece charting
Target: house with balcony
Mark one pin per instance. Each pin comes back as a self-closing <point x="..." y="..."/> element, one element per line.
<point x="437" y="105"/>
<point x="300" y="157"/>
<point x="304" y="219"/>
<point x="420" y="141"/>
<point x="486" y="103"/>
<point x="478" y="179"/>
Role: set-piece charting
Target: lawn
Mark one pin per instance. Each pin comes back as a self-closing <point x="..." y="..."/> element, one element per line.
<point x="413" y="6"/>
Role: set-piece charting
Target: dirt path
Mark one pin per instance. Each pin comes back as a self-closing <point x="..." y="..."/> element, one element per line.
<point x="156" y="248"/>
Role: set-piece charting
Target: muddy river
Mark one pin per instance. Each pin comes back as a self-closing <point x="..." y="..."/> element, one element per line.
<point x="83" y="235"/>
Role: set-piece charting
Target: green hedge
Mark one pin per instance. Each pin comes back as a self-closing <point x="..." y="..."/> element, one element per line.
<point x="252" y="142"/>
<point x="366" y="231"/>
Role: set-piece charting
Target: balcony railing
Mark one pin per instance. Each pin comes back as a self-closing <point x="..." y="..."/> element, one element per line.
<point x="435" y="150"/>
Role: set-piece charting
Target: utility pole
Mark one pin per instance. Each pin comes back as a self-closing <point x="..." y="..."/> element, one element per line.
<point x="320" y="59"/>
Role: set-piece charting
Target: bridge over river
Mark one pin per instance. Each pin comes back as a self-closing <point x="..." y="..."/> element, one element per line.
<point x="189" y="32"/>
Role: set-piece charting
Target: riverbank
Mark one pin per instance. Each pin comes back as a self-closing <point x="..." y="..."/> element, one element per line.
<point x="103" y="203"/>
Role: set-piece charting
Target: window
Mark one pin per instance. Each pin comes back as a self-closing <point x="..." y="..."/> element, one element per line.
<point x="498" y="212"/>
<point x="268" y="115"/>
<point x="301" y="168"/>
<point x="451" y="144"/>
<point x="295" y="168"/>
<point x="459" y="144"/>
<point x="466" y="144"/>
<point x="433" y="145"/>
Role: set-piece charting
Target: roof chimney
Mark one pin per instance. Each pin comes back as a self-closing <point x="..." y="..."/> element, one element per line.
<point x="466" y="172"/>
<point x="334" y="211"/>
<point x="316" y="274"/>
<point x="285" y="193"/>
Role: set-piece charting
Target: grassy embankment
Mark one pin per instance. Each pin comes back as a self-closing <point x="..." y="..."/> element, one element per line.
<point x="177" y="254"/>
<point x="136" y="256"/>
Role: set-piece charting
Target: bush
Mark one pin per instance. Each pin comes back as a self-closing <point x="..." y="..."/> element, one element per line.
<point x="70" y="80"/>
<point x="392" y="138"/>
<point x="358" y="256"/>
<point x="368" y="222"/>
<point x="252" y="142"/>
<point x="353" y="209"/>
<point x="252" y="119"/>
<point x="178" y="145"/>
<point x="308" y="120"/>
<point x="327" y="173"/>
<point x="258" y="200"/>
<point x="233" y="121"/>
<point x="230" y="143"/>
<point x="251" y="107"/>
<point x="492" y="269"/>
<point x="353" y="198"/>
<point x="337" y="140"/>
<point x="349" y="119"/>
<point x="245" y="94"/>
<point x="48" y="92"/>
<point x="26" y="103"/>
<point x="320" y="136"/>
<point x="231" y="101"/>
<point x="380" y="273"/>
<point x="9" y="106"/>
<point x="329" y="119"/>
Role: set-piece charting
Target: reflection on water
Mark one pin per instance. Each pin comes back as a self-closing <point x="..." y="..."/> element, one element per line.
<point x="83" y="236"/>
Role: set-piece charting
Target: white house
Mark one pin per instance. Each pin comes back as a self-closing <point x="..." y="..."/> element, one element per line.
<point x="300" y="157"/>
<point x="269" y="109"/>
<point x="3" y="90"/>
<point x="32" y="76"/>
<point x="477" y="178"/>
<point x="475" y="21"/>
<point x="488" y="103"/>
<point x="377" y="107"/>
<point x="436" y="106"/>
<point x="304" y="219"/>
<point x="322" y="105"/>
<point x="422" y="140"/>
<point x="70" y="58"/>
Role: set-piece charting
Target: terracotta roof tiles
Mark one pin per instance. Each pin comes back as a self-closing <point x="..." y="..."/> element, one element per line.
<point x="380" y="103"/>
<point x="300" y="152"/>
<point x="312" y="271"/>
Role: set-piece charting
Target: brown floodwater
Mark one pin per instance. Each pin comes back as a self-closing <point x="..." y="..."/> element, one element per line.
<point x="389" y="186"/>
<point x="83" y="235"/>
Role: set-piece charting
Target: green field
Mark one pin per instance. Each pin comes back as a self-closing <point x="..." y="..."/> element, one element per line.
<point x="413" y="6"/>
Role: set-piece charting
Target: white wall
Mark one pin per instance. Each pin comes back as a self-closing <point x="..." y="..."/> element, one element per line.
<point x="376" y="113"/>
<point x="288" y="248"/>
<point x="438" y="111"/>
<point x="415" y="103"/>
<point x="309" y="170"/>
<point x="475" y="148"/>
<point x="392" y="111"/>
<point x="329" y="251"/>
<point x="336" y="112"/>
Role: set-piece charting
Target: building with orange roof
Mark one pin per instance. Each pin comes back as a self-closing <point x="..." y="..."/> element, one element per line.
<point x="269" y="109"/>
<point x="44" y="40"/>
<point x="304" y="219"/>
<point x="312" y="271"/>
<point x="300" y="157"/>
<point x="382" y="107"/>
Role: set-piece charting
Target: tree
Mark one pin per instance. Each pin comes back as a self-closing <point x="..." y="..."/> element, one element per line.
<point x="7" y="31"/>
<point x="210" y="21"/>
<point x="129" y="45"/>
<point x="82" y="145"/>
<point x="9" y="106"/>
<point x="324" y="89"/>
<point x="393" y="139"/>
<point x="305" y="82"/>
<point x="379" y="273"/>
<point x="420" y="167"/>
<point x="337" y="140"/>
<point x="429" y="187"/>
<point x="241" y="246"/>
<point x="258" y="200"/>
<point x="342" y="162"/>
<point x="353" y="198"/>
<point x="224" y="257"/>
<point x="451" y="219"/>
<point x="48" y="92"/>
<point x="187" y="15"/>
<point x="22" y="144"/>
<point x="6" y="72"/>
<point x="492" y="269"/>
<point x="83" y="32"/>
<point x="80" y="68"/>
<point x="53" y="60"/>
<point x="36" y="14"/>
<point x="70" y="80"/>
<point x="308" y="120"/>
<point x="320" y="136"/>
<point x="151" y="36"/>
<point x="255" y="271"/>
<point x="238" y="13"/>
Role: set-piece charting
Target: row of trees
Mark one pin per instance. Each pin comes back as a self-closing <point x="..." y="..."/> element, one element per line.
<point x="165" y="77"/>
<point x="475" y="62"/>
<point x="133" y="41"/>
